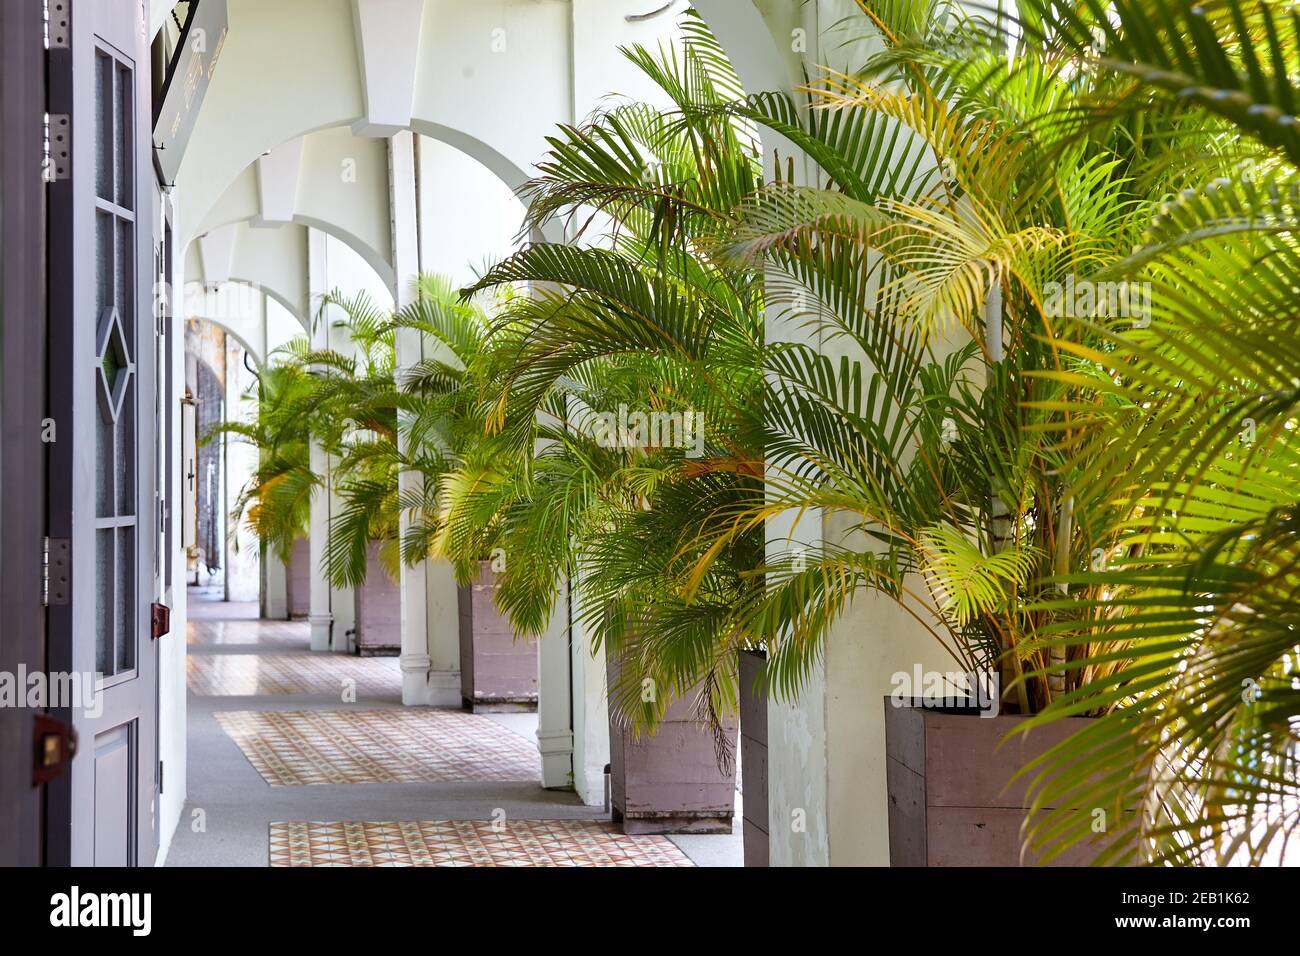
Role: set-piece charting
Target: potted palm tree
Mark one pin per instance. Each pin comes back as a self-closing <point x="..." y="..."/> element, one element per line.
<point x="930" y="438"/>
<point x="354" y="414"/>
<point x="627" y="368"/>
<point x="1074" y="495"/>
<point x="276" y="500"/>
<point x="1185" y="421"/>
<point x="362" y="408"/>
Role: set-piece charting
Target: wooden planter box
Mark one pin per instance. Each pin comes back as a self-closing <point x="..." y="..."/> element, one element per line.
<point x="378" y="609"/>
<point x="497" y="672"/>
<point x="949" y="799"/>
<point x="297" y="573"/>
<point x="670" y="782"/>
<point x="753" y="758"/>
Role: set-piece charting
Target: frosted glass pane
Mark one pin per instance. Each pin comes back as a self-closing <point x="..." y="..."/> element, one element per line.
<point x="126" y="624"/>
<point x="122" y="137"/>
<point x="105" y="253"/>
<point x="103" y="126"/>
<point x="104" y="616"/>
<point x="124" y="464"/>
<point x="104" y="465"/>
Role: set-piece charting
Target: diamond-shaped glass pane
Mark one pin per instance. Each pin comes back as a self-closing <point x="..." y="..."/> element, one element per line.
<point x="111" y="367"/>
<point x="115" y="365"/>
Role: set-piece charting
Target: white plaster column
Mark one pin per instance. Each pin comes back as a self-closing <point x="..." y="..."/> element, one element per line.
<point x="275" y="576"/>
<point x="827" y="798"/>
<point x="275" y="587"/>
<point x="320" y="616"/>
<point x="555" y="734"/>
<point x="430" y="657"/>
<point x="590" y="716"/>
<point x="217" y="253"/>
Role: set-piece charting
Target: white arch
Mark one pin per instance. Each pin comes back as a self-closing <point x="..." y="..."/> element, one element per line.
<point x="258" y="359"/>
<point x="750" y="40"/>
<point x="273" y="263"/>
<point x="291" y="68"/>
<point x="328" y="180"/>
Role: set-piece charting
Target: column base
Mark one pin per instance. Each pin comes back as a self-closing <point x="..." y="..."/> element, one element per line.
<point x="321" y="625"/>
<point x="556" y="748"/>
<point x="342" y="643"/>
<point x="422" y="687"/>
<point x="590" y="786"/>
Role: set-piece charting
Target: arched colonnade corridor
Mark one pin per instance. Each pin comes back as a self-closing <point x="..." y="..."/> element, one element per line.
<point x="395" y="147"/>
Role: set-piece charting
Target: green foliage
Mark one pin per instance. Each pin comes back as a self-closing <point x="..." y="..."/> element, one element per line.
<point x="1094" y="499"/>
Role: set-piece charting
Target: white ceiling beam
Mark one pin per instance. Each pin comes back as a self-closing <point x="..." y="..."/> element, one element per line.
<point x="278" y="172"/>
<point x="388" y="47"/>
<point x="217" y="254"/>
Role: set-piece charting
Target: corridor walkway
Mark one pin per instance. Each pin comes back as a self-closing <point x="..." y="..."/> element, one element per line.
<point x="302" y="758"/>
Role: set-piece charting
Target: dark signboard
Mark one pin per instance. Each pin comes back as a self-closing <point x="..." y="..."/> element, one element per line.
<point x="188" y="76"/>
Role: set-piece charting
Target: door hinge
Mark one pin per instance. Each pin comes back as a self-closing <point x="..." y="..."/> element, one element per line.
<point x="56" y="571"/>
<point x="56" y="163"/>
<point x="55" y="744"/>
<point x="58" y="25"/>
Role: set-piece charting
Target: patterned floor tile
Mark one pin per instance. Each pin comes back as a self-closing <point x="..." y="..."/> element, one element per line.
<point x="269" y="634"/>
<point x="248" y="675"/>
<point x="468" y="843"/>
<point x="297" y="748"/>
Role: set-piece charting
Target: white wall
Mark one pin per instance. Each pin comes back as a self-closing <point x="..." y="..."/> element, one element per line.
<point x="350" y="273"/>
<point x="468" y="217"/>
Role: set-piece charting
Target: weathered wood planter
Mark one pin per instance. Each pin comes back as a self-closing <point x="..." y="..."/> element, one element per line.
<point x="753" y="757"/>
<point x="497" y="672"/>
<point x="378" y="610"/>
<point x="949" y="799"/>
<point x="670" y="782"/>
<point x="298" y="580"/>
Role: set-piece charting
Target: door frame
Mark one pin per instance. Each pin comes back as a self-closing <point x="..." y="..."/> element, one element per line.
<point x="22" y="411"/>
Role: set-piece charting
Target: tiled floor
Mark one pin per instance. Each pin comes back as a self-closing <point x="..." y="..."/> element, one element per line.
<point x="282" y="738"/>
<point x="341" y="676"/>
<point x="289" y="635"/>
<point x="297" y="748"/>
<point x="467" y="843"/>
